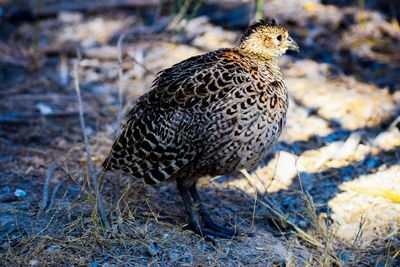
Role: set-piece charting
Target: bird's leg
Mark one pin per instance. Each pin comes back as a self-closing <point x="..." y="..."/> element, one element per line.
<point x="207" y="220"/>
<point x="193" y="215"/>
<point x="194" y="219"/>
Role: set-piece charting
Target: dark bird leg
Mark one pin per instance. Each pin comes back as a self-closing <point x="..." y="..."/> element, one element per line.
<point x="207" y="220"/>
<point x="194" y="218"/>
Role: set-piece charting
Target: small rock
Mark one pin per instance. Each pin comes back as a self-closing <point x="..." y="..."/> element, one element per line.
<point x="70" y="17"/>
<point x="34" y="263"/>
<point x="89" y="131"/>
<point x="19" y="193"/>
<point x="53" y="248"/>
<point x="44" y="109"/>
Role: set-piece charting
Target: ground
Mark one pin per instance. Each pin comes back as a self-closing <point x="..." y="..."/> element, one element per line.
<point x="327" y="195"/>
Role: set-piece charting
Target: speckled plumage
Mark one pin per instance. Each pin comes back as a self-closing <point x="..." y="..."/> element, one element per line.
<point x="212" y="114"/>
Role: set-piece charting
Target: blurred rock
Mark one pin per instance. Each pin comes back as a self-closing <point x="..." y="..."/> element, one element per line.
<point x="53" y="249"/>
<point x="44" y="109"/>
<point x="70" y="17"/>
<point x="19" y="193"/>
<point x="34" y="263"/>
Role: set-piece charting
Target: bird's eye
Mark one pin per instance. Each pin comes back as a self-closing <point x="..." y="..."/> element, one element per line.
<point x="279" y="37"/>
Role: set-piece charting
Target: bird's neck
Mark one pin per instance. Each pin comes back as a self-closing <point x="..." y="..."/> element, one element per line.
<point x="259" y="58"/>
<point x="267" y="65"/>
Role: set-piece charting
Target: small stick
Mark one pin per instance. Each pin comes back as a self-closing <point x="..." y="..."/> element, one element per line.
<point x="182" y="12"/>
<point x="359" y="231"/>
<point x="120" y="82"/>
<point x="257" y="186"/>
<point x="53" y="194"/>
<point x="92" y="174"/>
<point x="82" y="119"/>
<point x="45" y="198"/>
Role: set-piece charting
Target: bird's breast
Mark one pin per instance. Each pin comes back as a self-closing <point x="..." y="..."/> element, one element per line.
<point x="248" y="131"/>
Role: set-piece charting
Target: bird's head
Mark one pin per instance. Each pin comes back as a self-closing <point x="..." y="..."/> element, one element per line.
<point x="267" y="39"/>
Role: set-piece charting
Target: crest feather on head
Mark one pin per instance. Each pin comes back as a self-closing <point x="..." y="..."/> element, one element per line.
<point x="266" y="22"/>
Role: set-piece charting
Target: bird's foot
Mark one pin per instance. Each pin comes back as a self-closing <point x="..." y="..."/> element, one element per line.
<point x="208" y="233"/>
<point x="229" y="232"/>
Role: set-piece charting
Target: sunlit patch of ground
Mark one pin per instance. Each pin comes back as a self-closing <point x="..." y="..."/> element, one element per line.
<point x="369" y="204"/>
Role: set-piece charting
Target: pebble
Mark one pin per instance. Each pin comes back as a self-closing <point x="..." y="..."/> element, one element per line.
<point x="44" y="109"/>
<point x="34" y="263"/>
<point x="19" y="193"/>
<point x="89" y="131"/>
<point x="53" y="248"/>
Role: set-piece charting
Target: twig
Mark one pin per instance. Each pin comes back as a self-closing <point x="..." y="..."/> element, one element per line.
<point x="259" y="187"/>
<point x="45" y="198"/>
<point x="253" y="215"/>
<point x="147" y="71"/>
<point x="359" y="231"/>
<point x="92" y="174"/>
<point x="182" y="12"/>
<point x="82" y="121"/>
<point x="120" y="83"/>
<point x="117" y="189"/>
<point x="298" y="173"/>
<point x="53" y="194"/>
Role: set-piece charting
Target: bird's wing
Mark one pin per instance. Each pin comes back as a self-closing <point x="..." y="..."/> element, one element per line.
<point x="162" y="130"/>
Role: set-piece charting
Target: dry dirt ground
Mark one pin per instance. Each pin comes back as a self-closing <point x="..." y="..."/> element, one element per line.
<point x="327" y="195"/>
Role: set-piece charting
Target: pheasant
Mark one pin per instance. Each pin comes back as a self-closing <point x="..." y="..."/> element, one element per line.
<point x="212" y="114"/>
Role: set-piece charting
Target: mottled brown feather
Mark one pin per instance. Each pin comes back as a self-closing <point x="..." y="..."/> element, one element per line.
<point x="211" y="114"/>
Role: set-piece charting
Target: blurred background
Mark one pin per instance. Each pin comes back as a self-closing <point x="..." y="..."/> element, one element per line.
<point x="328" y="194"/>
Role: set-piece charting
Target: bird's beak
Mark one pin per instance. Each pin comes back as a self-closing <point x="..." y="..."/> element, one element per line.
<point x="292" y="45"/>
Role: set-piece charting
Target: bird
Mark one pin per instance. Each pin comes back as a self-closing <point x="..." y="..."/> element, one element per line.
<point x="209" y="115"/>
